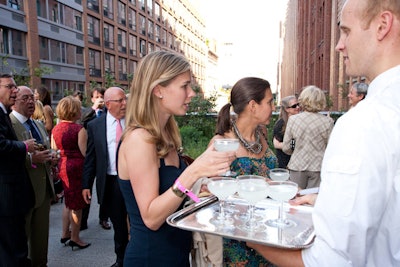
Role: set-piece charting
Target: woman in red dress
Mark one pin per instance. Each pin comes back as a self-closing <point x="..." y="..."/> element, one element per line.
<point x="70" y="138"/>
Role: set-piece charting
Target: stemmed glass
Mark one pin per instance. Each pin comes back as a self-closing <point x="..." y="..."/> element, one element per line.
<point x="222" y="187"/>
<point x="252" y="188"/>
<point x="282" y="191"/>
<point x="279" y="174"/>
<point x="227" y="145"/>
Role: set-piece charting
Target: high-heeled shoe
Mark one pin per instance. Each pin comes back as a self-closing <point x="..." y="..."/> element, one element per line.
<point x="73" y="244"/>
<point x="64" y="240"/>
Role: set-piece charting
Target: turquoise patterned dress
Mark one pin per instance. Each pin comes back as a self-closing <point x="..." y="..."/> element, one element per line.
<point x="236" y="252"/>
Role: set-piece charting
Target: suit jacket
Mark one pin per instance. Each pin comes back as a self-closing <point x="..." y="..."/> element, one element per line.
<point x="96" y="159"/>
<point x="40" y="176"/>
<point x="16" y="193"/>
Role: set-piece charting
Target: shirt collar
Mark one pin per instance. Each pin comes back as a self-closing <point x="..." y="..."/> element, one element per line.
<point x="21" y="118"/>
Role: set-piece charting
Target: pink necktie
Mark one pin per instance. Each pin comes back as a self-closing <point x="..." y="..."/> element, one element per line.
<point x="118" y="133"/>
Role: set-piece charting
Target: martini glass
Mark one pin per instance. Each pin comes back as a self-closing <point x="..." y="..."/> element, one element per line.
<point x="227" y="145"/>
<point x="222" y="187"/>
<point x="279" y="174"/>
<point x="282" y="191"/>
<point x="252" y="188"/>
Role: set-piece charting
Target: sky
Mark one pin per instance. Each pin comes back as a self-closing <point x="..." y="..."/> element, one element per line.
<point x="253" y="27"/>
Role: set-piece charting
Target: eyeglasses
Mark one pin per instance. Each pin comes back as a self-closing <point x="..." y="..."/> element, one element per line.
<point x="294" y="105"/>
<point x="26" y="98"/>
<point x="9" y="86"/>
<point x="118" y="100"/>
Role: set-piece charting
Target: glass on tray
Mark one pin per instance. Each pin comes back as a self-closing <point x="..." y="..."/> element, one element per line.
<point x="252" y="188"/>
<point x="282" y="191"/>
<point x="222" y="187"/>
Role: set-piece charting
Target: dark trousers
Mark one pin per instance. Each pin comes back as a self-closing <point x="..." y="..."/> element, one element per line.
<point x="13" y="242"/>
<point x="103" y="214"/>
<point x="113" y="202"/>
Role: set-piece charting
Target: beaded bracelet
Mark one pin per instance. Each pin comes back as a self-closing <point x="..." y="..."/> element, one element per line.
<point x="186" y="191"/>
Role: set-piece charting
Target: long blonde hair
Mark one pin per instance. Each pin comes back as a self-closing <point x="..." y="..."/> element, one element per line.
<point x="157" y="68"/>
<point x="38" y="114"/>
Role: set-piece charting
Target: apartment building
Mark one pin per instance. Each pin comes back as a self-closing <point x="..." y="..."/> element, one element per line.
<point x="89" y="42"/>
<point x="310" y="35"/>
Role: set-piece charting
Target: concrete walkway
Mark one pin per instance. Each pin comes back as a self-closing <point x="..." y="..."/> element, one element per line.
<point x="99" y="254"/>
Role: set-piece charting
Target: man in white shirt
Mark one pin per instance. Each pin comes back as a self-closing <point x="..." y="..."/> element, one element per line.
<point x="357" y="213"/>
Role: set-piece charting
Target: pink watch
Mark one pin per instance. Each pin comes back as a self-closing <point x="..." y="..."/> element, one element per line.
<point x="186" y="191"/>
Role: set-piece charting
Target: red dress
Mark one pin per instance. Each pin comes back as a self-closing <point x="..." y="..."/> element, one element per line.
<point x="70" y="165"/>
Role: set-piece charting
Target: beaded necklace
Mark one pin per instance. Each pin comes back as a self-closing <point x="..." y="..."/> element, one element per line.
<point x="253" y="147"/>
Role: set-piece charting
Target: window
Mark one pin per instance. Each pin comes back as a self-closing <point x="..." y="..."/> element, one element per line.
<point x="142" y="48"/>
<point x="132" y="45"/>
<point x="109" y="63"/>
<point x="16" y="4"/>
<point x="94" y="63"/>
<point x="150" y="6"/>
<point x="151" y="30"/>
<point x="121" y="13"/>
<point x="55" y="51"/>
<point x="108" y="9"/>
<point x="157" y="12"/>
<point x="121" y="41"/>
<point x="93" y="30"/>
<point x="18" y="47"/>
<point x="122" y="70"/>
<point x="4" y="46"/>
<point x="108" y="36"/>
<point x="93" y="5"/>
<point x="142" y="25"/>
<point x="41" y="8"/>
<point x="132" y="19"/>
<point x="132" y="66"/>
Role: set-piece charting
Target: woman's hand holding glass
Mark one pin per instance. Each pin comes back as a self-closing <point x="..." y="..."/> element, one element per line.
<point x="227" y="145"/>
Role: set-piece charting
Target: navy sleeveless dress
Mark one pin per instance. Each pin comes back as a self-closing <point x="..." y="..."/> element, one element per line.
<point x="168" y="246"/>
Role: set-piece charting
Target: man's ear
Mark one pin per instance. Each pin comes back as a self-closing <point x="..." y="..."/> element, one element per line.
<point x="385" y="23"/>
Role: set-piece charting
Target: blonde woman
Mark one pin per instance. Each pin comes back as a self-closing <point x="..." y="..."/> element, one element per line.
<point x="306" y="138"/>
<point x="153" y="177"/>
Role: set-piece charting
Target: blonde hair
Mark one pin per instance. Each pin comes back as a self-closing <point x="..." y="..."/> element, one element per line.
<point x="157" y="68"/>
<point x="373" y="7"/>
<point x="68" y="109"/>
<point x="38" y="114"/>
<point x="312" y="99"/>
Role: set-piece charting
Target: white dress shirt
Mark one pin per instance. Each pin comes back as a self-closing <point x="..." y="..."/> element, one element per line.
<point x="111" y="124"/>
<point x="357" y="214"/>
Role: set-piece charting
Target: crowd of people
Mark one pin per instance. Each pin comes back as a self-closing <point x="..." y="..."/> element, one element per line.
<point x="130" y="146"/>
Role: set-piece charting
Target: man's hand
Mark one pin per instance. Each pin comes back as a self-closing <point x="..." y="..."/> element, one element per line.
<point x="98" y="103"/>
<point x="41" y="156"/>
<point x="87" y="196"/>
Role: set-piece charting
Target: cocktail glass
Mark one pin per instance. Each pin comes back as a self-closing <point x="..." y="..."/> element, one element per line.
<point x="279" y="174"/>
<point x="252" y="188"/>
<point x="282" y="191"/>
<point x="227" y="145"/>
<point x="222" y="187"/>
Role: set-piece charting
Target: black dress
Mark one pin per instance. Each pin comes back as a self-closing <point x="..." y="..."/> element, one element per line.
<point x="168" y="246"/>
<point x="283" y="158"/>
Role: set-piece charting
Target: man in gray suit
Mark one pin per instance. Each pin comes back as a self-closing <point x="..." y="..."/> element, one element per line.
<point x="38" y="166"/>
<point x="16" y="193"/>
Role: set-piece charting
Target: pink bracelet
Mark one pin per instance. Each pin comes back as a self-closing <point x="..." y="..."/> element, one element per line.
<point x="186" y="191"/>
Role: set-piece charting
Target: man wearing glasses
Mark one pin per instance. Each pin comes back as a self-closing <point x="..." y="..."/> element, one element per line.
<point x="38" y="166"/>
<point x="100" y="162"/>
<point x="16" y="193"/>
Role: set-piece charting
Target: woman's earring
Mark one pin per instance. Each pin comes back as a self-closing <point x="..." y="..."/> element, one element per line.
<point x="160" y="97"/>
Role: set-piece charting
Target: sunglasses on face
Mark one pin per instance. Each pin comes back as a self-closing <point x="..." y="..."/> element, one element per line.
<point x="294" y="105"/>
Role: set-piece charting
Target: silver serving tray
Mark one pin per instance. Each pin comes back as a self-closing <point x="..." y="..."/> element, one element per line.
<point x="196" y="217"/>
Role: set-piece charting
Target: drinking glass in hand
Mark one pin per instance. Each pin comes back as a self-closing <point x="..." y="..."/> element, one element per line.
<point x="282" y="191"/>
<point x="252" y="188"/>
<point x="226" y="145"/>
<point x="222" y="187"/>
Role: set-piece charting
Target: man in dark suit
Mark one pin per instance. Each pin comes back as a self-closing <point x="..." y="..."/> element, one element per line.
<point x="100" y="163"/>
<point x="38" y="166"/>
<point x="16" y="193"/>
<point x="88" y="114"/>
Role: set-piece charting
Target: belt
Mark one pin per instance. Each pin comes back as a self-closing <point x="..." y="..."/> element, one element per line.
<point x="112" y="176"/>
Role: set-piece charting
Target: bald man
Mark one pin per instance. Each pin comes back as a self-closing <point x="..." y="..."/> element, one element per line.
<point x="38" y="165"/>
<point x="100" y="162"/>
